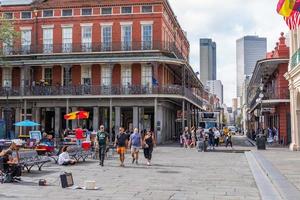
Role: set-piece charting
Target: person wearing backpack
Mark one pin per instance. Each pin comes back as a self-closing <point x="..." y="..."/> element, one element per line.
<point x="135" y="142"/>
<point x="102" y="139"/>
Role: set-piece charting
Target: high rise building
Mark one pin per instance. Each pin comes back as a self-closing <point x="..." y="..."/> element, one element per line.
<point x="208" y="60"/>
<point x="216" y="87"/>
<point x="249" y="49"/>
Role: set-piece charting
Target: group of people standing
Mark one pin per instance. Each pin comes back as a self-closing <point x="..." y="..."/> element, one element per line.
<point x="135" y="142"/>
<point x="198" y="138"/>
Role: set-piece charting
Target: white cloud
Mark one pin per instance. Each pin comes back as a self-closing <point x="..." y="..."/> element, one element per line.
<point x="225" y="23"/>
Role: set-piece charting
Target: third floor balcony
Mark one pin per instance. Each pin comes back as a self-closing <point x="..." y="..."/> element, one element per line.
<point x="93" y="47"/>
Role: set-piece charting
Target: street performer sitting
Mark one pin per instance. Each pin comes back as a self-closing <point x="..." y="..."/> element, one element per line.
<point x="10" y="164"/>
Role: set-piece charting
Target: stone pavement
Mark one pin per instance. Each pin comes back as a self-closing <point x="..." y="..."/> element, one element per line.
<point x="176" y="173"/>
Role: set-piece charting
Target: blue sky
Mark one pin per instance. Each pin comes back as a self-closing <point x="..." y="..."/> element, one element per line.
<point x="226" y="21"/>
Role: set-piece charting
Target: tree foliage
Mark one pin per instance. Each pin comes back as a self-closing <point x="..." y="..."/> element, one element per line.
<point x="7" y="33"/>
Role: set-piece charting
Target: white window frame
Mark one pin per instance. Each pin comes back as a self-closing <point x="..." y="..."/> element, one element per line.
<point x="67" y="38"/>
<point x="62" y="10"/>
<point x="106" y="45"/>
<point x="149" y="6"/>
<point x="48" y="10"/>
<point x="121" y="11"/>
<point x="86" y="42"/>
<point x="47" y="42"/>
<point x="146" y="79"/>
<point x="147" y="45"/>
<point x="126" y="45"/>
<point x="106" y="76"/>
<point x="92" y="13"/>
<point x="43" y="75"/>
<point x="21" y="15"/>
<point x="26" y="39"/>
<point x="106" y="14"/>
<point x="7" y="77"/>
<point x="86" y="73"/>
<point x="126" y="75"/>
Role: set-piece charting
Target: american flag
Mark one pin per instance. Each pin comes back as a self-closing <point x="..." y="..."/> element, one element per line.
<point x="293" y="21"/>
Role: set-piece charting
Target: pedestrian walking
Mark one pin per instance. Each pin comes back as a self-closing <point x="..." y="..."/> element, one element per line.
<point x="193" y="137"/>
<point x="201" y="145"/>
<point x="211" y="139"/>
<point x="187" y="137"/>
<point x="102" y="139"/>
<point x="229" y="139"/>
<point x="135" y="142"/>
<point x="121" y="143"/>
<point x="148" y="144"/>
<point x="217" y="137"/>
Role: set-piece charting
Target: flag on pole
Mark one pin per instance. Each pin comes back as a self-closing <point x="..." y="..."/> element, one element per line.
<point x="286" y="7"/>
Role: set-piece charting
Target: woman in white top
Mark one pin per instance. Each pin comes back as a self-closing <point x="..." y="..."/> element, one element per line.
<point x="64" y="157"/>
<point x="217" y="136"/>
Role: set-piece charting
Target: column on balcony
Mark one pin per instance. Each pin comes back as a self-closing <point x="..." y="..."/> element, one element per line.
<point x="135" y="117"/>
<point x="141" y="118"/>
<point x="95" y="118"/>
<point x="74" y="122"/>
<point x="117" y="119"/>
<point x="17" y="119"/>
<point x="57" y="122"/>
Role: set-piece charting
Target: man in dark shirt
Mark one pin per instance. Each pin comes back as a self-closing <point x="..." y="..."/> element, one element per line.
<point x="121" y="143"/>
<point x="102" y="139"/>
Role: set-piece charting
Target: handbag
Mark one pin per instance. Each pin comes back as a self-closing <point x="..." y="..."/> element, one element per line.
<point x="146" y="146"/>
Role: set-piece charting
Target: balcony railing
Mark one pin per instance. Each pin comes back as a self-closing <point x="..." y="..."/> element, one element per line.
<point x="277" y="93"/>
<point x="94" y="47"/>
<point x="82" y="90"/>
<point x="295" y="60"/>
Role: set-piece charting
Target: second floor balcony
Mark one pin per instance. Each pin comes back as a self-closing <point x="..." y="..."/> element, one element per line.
<point x="93" y="47"/>
<point x="168" y="91"/>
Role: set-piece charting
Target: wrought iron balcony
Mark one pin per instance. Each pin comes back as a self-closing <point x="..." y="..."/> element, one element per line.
<point x="88" y="90"/>
<point x="276" y="93"/>
<point x="95" y="47"/>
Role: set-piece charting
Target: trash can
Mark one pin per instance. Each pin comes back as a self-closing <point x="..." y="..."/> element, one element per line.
<point x="261" y="142"/>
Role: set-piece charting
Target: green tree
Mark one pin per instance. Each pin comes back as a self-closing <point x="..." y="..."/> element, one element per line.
<point x="7" y="33"/>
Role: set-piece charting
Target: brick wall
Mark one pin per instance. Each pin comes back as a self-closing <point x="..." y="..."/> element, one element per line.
<point x="76" y="75"/>
<point x="96" y="74"/>
<point x="136" y="74"/>
<point x="282" y="110"/>
<point x="38" y="74"/>
<point x="16" y="74"/>
<point x="116" y="75"/>
<point x="57" y="75"/>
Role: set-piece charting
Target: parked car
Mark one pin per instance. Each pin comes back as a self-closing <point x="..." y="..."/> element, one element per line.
<point x="232" y="129"/>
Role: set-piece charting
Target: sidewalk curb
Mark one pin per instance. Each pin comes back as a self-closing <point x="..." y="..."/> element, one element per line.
<point x="251" y="141"/>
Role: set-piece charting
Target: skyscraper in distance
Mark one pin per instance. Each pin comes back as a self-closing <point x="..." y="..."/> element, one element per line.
<point x="208" y="60"/>
<point x="249" y="49"/>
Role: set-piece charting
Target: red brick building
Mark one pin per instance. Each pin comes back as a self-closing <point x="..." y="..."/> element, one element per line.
<point x="126" y="62"/>
<point x="268" y="75"/>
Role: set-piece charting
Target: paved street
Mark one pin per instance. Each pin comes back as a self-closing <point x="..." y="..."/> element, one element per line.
<point x="176" y="174"/>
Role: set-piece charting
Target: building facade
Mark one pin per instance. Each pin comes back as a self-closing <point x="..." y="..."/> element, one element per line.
<point x="125" y="62"/>
<point x="268" y="94"/>
<point x="208" y="60"/>
<point x="293" y="76"/>
<point x="249" y="49"/>
<point x="216" y="88"/>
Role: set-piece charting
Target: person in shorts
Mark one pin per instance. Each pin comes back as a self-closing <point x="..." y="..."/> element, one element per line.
<point x="121" y="143"/>
<point x="135" y="142"/>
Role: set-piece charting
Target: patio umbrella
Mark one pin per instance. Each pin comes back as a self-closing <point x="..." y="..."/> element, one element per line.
<point x="27" y="123"/>
<point x="77" y="115"/>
